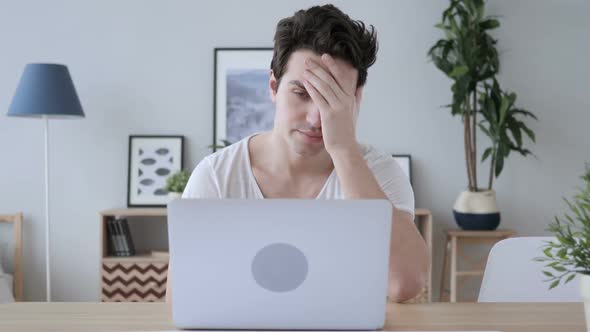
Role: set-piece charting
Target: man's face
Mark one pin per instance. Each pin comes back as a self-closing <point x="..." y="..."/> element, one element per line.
<point x="297" y="118"/>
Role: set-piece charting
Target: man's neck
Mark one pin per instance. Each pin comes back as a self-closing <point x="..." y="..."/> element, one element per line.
<point x="280" y="158"/>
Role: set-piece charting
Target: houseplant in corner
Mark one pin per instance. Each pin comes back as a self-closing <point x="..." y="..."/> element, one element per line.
<point x="467" y="55"/>
<point x="569" y="255"/>
<point x="176" y="183"/>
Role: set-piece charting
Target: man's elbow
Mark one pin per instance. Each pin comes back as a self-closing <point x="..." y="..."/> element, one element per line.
<point x="411" y="281"/>
<point x="407" y="287"/>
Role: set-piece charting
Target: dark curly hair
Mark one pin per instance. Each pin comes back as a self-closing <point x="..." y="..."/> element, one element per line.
<point x="325" y="29"/>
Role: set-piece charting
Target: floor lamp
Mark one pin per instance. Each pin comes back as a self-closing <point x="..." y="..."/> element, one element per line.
<point x="46" y="91"/>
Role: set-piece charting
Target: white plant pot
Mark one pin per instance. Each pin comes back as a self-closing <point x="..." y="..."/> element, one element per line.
<point x="477" y="210"/>
<point x="173" y="195"/>
<point x="585" y="289"/>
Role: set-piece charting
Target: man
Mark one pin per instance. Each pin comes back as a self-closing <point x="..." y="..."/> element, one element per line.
<point x="318" y="71"/>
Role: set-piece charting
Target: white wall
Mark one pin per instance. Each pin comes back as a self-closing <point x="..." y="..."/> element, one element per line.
<point x="147" y="66"/>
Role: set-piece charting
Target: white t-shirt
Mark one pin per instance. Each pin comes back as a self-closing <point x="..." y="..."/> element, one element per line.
<point x="227" y="173"/>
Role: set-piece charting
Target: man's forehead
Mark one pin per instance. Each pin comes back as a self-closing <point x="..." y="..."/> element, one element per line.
<point x="297" y="61"/>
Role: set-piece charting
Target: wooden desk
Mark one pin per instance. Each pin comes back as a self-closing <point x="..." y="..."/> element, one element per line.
<point x="506" y="317"/>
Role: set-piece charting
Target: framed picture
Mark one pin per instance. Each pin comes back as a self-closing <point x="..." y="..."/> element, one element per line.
<point x="405" y="162"/>
<point x="151" y="160"/>
<point x="242" y="102"/>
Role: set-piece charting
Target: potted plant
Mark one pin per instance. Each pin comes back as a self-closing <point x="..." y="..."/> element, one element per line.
<point x="176" y="183"/>
<point x="224" y="144"/>
<point x="569" y="255"/>
<point x="468" y="56"/>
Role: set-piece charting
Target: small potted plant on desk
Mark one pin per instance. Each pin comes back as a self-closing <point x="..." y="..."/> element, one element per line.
<point x="176" y="183"/>
<point x="569" y="255"/>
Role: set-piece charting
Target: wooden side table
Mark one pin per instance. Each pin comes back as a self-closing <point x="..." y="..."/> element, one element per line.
<point x="455" y="238"/>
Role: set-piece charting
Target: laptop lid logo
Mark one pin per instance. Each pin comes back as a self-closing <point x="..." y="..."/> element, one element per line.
<point x="280" y="267"/>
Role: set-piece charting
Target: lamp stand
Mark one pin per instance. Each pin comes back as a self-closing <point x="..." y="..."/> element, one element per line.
<point x="47" y="263"/>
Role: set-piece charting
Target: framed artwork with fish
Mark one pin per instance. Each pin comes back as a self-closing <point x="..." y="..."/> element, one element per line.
<point x="152" y="159"/>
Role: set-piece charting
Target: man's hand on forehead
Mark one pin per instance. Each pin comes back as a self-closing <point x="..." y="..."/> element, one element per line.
<point x="333" y="79"/>
<point x="331" y="85"/>
<point x="344" y="76"/>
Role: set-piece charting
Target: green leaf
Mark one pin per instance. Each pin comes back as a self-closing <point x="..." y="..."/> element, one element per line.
<point x="489" y="24"/>
<point x="512" y="99"/>
<point x="561" y="253"/>
<point x="459" y="71"/>
<point x="507" y="145"/>
<point x="559" y="268"/>
<point x="504" y="108"/>
<point x="554" y="284"/>
<point x="547" y="252"/>
<point x="491" y="110"/>
<point x="548" y="274"/>
<point x="448" y="34"/>
<point x="486" y="154"/>
<point x="515" y="130"/>
<point x="480" y="10"/>
<point x="454" y="26"/>
<point x="499" y="163"/>
<point x="525" y="113"/>
<point x="528" y="132"/>
<point x="440" y="26"/>
<point x="570" y="278"/>
<point x="485" y="130"/>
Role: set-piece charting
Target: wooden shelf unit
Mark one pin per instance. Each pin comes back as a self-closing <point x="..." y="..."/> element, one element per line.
<point x="138" y="278"/>
<point x="123" y="212"/>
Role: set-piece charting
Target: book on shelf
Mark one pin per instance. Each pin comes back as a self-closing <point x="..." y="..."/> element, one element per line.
<point x="112" y="241"/>
<point x="127" y="237"/>
<point x="119" y="237"/>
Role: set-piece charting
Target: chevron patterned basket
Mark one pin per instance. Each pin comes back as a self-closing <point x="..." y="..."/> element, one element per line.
<point x="134" y="282"/>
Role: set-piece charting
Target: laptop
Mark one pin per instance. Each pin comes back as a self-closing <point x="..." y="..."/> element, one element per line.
<point x="279" y="264"/>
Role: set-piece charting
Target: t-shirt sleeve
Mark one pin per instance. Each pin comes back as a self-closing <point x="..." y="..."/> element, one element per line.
<point x="202" y="182"/>
<point x="394" y="183"/>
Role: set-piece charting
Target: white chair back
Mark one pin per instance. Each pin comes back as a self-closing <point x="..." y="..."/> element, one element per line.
<point x="511" y="275"/>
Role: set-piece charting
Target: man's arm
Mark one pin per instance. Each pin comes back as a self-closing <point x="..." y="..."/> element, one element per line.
<point x="333" y="89"/>
<point x="408" y="261"/>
